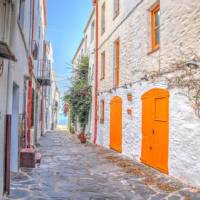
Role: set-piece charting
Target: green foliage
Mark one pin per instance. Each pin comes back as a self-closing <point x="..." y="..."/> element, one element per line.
<point x="79" y="95"/>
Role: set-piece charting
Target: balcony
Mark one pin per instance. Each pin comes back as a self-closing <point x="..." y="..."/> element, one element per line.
<point x="44" y="73"/>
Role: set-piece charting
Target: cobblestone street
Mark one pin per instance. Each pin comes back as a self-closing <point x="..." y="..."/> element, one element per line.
<point x="71" y="171"/>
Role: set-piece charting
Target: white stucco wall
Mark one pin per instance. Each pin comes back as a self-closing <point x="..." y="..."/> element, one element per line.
<point x="180" y="40"/>
<point x="184" y="139"/>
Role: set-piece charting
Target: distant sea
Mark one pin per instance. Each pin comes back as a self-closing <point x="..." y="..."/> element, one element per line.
<point x="62" y="119"/>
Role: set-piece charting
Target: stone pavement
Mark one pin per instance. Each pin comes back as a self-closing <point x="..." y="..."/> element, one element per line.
<point x="72" y="171"/>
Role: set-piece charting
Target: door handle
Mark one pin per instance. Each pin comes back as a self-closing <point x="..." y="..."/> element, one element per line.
<point x="153" y="131"/>
<point x="150" y="147"/>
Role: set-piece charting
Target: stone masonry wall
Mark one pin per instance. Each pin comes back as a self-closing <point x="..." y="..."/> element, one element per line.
<point x="180" y="41"/>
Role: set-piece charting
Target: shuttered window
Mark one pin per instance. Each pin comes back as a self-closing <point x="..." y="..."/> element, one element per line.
<point x="103" y="18"/>
<point x="103" y="64"/>
<point x="116" y="62"/>
<point x="116" y="8"/>
<point x="102" y="111"/>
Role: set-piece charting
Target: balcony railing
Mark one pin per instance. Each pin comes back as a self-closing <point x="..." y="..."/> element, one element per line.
<point x="44" y="72"/>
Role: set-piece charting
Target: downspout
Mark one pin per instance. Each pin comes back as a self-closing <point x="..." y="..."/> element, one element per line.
<point x="30" y="83"/>
<point x="95" y="3"/>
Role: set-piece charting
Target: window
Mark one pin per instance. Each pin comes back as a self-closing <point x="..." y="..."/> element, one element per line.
<point x="86" y="44"/>
<point x="155" y="26"/>
<point x="32" y="107"/>
<point x="21" y="13"/>
<point x="103" y="64"/>
<point x="102" y="111"/>
<point x="116" y="8"/>
<point x="103" y="19"/>
<point x="92" y="31"/>
<point x="116" y="62"/>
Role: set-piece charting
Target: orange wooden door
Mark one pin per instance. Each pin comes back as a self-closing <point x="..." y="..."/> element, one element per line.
<point x="116" y="124"/>
<point x="155" y="129"/>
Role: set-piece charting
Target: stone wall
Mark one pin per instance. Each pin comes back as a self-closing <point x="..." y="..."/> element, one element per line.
<point x="180" y="41"/>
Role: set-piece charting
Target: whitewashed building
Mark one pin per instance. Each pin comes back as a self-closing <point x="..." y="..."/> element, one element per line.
<point x="87" y="48"/>
<point x="148" y="86"/>
<point x="22" y="39"/>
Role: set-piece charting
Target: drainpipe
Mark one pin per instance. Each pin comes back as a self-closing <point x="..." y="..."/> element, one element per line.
<point x="95" y="3"/>
<point x="29" y="105"/>
<point x="30" y="83"/>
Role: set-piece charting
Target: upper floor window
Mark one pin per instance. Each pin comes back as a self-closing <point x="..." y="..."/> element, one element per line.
<point x="102" y="111"/>
<point x="103" y="18"/>
<point x="116" y="8"/>
<point x="21" y="13"/>
<point x="103" y="64"/>
<point x="155" y="26"/>
<point x="92" y="31"/>
<point x="116" y="62"/>
<point x="86" y="44"/>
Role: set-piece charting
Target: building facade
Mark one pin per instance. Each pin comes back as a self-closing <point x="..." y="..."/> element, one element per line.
<point x="87" y="48"/>
<point x="148" y="88"/>
<point x="23" y="76"/>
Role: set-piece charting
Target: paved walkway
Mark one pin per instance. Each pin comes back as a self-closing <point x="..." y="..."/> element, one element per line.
<point x="71" y="171"/>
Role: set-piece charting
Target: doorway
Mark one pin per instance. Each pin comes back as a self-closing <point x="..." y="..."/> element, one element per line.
<point x="116" y="124"/>
<point x="155" y="129"/>
<point x="14" y="130"/>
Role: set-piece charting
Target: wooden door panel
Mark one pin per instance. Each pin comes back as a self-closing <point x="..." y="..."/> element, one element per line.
<point x="116" y="124"/>
<point x="155" y="126"/>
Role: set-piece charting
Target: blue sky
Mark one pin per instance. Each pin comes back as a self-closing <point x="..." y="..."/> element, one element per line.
<point x="66" y="20"/>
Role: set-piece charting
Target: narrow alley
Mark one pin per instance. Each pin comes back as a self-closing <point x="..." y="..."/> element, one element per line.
<point x="72" y="171"/>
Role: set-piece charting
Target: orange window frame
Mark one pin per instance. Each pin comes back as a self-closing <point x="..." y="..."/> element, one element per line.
<point x="154" y="28"/>
<point x="117" y="62"/>
<point x="102" y="111"/>
<point x="103" y="65"/>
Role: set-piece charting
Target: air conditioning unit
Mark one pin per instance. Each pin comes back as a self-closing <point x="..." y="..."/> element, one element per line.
<point x="5" y="27"/>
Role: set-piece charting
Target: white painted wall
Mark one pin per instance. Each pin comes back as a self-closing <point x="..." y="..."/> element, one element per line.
<point x="179" y="38"/>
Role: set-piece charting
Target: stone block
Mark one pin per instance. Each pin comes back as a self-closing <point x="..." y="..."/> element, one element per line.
<point x="28" y="158"/>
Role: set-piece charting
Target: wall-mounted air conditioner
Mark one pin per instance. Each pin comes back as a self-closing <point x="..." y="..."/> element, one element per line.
<point x="5" y="28"/>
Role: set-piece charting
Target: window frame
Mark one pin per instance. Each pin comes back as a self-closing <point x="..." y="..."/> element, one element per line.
<point x="116" y="11"/>
<point x="154" y="28"/>
<point x="21" y="15"/>
<point x="116" y="62"/>
<point x="102" y="111"/>
<point x="92" y="31"/>
<point x="103" y="18"/>
<point x="103" y="65"/>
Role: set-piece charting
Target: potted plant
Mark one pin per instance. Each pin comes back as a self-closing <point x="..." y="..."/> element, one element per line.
<point x="82" y="137"/>
<point x="129" y="96"/>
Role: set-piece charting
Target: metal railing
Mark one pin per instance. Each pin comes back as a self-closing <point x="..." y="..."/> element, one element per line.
<point x="44" y="72"/>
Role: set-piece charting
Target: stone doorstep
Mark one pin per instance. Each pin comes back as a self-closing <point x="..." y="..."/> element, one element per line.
<point x="29" y="157"/>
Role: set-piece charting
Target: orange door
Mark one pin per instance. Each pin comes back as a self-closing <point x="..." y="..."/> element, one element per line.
<point x="116" y="124"/>
<point x="155" y="129"/>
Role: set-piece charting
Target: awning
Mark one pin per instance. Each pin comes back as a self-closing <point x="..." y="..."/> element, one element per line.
<point x="5" y="52"/>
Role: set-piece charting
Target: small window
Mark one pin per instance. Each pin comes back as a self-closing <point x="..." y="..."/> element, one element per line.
<point x="21" y="13"/>
<point x="32" y="108"/>
<point x="116" y="8"/>
<point x="86" y="44"/>
<point x="103" y="64"/>
<point x="155" y="26"/>
<point x="92" y="31"/>
<point x="102" y="111"/>
<point x="103" y="18"/>
<point x="116" y="62"/>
